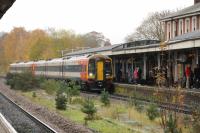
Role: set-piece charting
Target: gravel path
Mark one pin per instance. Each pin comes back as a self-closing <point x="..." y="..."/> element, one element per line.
<point x="54" y="120"/>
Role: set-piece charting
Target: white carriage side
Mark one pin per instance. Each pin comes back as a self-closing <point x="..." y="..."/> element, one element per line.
<point x="54" y="68"/>
<point x="40" y="68"/>
<point x="72" y="67"/>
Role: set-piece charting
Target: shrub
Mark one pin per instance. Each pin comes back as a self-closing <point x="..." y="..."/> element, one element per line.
<point x="61" y="100"/>
<point x="41" y="80"/>
<point x="22" y="81"/>
<point x="34" y="94"/>
<point x="9" y="77"/>
<point x="171" y="125"/>
<point x="152" y="112"/>
<point x="89" y="109"/>
<point x="71" y="89"/>
<point x="105" y="98"/>
<point x="50" y="86"/>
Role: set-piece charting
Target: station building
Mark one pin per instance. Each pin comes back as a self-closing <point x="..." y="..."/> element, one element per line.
<point x="182" y="33"/>
<point x="181" y="48"/>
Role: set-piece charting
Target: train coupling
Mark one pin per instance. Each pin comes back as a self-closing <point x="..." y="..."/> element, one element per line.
<point x="100" y="84"/>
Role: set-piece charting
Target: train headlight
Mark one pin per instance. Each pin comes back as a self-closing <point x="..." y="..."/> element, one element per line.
<point x="90" y="74"/>
<point x="107" y="74"/>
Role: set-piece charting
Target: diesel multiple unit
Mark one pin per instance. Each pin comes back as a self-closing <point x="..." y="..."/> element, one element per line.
<point x="91" y="71"/>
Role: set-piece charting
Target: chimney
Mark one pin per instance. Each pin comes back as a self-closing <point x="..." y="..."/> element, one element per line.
<point x="196" y="1"/>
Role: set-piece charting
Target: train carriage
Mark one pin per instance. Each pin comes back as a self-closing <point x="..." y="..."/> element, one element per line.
<point x="29" y="67"/>
<point x="13" y="67"/>
<point x="100" y="72"/>
<point x="91" y="71"/>
<point x="75" y="68"/>
<point x="20" y="67"/>
<point x="54" y="68"/>
<point x="40" y="68"/>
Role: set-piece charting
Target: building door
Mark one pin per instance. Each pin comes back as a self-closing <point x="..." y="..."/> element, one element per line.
<point x="100" y="70"/>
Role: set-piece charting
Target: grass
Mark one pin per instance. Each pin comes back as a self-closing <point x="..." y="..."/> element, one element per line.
<point x="73" y="113"/>
<point x="111" y="118"/>
<point x="108" y="127"/>
<point x="50" y="104"/>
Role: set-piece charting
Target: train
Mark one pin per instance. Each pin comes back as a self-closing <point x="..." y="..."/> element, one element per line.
<point x="92" y="72"/>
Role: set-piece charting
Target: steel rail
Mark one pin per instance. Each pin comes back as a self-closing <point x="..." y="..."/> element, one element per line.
<point x="30" y="116"/>
<point x="185" y="109"/>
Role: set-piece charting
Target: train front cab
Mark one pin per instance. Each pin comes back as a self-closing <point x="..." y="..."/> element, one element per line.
<point x="100" y="73"/>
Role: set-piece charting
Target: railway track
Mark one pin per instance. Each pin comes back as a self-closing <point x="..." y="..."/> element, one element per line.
<point x="191" y="96"/>
<point x="168" y="106"/>
<point x="164" y="105"/>
<point x="22" y="121"/>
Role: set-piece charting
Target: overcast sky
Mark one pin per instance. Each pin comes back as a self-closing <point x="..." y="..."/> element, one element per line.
<point x="114" y="18"/>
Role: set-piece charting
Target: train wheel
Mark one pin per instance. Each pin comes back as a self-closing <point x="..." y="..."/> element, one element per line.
<point x="84" y="86"/>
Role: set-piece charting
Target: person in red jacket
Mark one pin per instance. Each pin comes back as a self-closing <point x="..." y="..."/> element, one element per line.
<point x="187" y="74"/>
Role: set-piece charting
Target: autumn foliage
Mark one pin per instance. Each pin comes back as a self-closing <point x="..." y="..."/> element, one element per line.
<point x="22" y="45"/>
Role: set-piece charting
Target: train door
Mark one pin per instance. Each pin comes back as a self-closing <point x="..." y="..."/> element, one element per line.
<point x="100" y="70"/>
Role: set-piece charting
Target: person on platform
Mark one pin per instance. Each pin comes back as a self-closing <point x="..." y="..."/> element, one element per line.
<point x="197" y="77"/>
<point x="135" y="75"/>
<point x="139" y="75"/>
<point x="129" y="75"/>
<point x="188" y="74"/>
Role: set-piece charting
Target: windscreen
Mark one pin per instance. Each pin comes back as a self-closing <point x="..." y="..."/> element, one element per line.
<point x="108" y="68"/>
<point x="91" y="69"/>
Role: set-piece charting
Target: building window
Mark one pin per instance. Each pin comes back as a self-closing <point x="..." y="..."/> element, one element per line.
<point x="194" y="23"/>
<point x="168" y="30"/>
<point x="174" y="29"/>
<point x="180" y="27"/>
<point x="187" y="25"/>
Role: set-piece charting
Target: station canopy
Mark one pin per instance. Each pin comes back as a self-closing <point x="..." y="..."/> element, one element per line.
<point x="4" y="6"/>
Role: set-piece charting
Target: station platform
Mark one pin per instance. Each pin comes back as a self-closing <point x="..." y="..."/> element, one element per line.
<point x="147" y="87"/>
<point x="5" y="126"/>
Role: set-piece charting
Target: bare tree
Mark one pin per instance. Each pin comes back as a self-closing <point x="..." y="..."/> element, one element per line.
<point x="151" y="28"/>
<point x="96" y="39"/>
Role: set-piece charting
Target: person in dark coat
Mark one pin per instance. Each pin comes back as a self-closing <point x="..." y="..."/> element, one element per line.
<point x="197" y="77"/>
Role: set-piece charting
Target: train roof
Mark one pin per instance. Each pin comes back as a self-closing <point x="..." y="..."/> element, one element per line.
<point x="99" y="56"/>
<point x="12" y="64"/>
<point x="56" y="59"/>
<point x="78" y="57"/>
<point x="30" y="62"/>
<point x="40" y="61"/>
